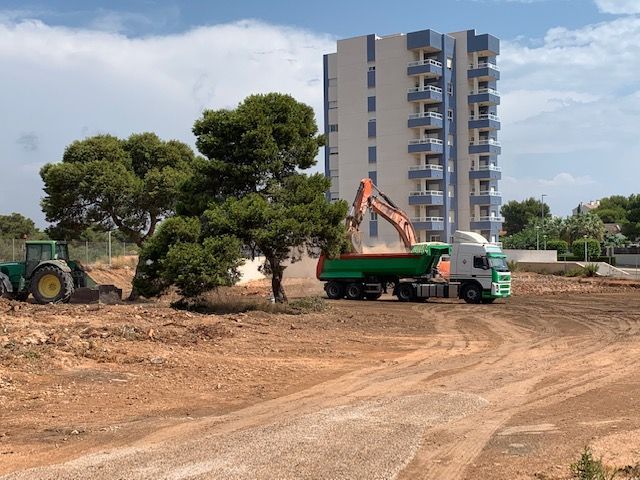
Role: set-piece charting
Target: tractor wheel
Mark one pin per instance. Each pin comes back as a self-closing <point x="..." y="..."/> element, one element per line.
<point x="335" y="291"/>
<point x="354" y="291"/>
<point x="471" y="293"/>
<point x="405" y="292"/>
<point x="22" y="296"/>
<point x="49" y="284"/>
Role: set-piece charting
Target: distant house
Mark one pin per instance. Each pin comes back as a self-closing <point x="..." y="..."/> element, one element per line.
<point x="612" y="228"/>
<point x="585" y="207"/>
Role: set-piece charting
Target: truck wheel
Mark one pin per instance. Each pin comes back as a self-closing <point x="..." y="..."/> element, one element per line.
<point x="354" y="291"/>
<point x="405" y="292"/>
<point x="51" y="285"/>
<point x="372" y="296"/>
<point x="488" y="300"/>
<point x="471" y="293"/>
<point x="334" y="290"/>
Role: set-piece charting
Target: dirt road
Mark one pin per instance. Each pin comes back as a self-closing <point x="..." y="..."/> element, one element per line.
<point x="437" y="390"/>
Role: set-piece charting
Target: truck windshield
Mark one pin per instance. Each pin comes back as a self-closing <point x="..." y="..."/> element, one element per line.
<point x="499" y="264"/>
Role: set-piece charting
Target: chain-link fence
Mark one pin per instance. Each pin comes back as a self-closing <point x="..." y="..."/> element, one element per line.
<point x="86" y="252"/>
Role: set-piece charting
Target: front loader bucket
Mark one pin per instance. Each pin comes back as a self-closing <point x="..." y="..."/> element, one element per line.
<point x="107" y="294"/>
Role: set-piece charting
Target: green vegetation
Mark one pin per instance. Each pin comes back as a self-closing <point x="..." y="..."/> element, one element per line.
<point x="249" y="191"/>
<point x="593" y="248"/>
<point x="517" y="215"/>
<point x="588" y="468"/>
<point x="16" y="225"/>
<point x="622" y="210"/>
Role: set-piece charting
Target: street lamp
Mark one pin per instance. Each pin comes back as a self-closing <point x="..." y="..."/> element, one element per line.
<point x="542" y="205"/>
<point x="586" y="259"/>
<point x="537" y="237"/>
<point x="545" y="241"/>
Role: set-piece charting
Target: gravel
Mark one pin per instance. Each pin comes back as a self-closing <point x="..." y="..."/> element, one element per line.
<point x="373" y="439"/>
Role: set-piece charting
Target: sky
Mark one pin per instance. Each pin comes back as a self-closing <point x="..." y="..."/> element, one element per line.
<point x="570" y="78"/>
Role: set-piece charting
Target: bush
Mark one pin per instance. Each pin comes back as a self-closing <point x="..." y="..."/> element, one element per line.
<point x="559" y="245"/>
<point x="591" y="269"/>
<point x="593" y="248"/>
<point x="514" y="266"/>
<point x="588" y="468"/>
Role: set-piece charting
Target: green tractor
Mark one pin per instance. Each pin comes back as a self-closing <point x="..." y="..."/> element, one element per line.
<point x="49" y="275"/>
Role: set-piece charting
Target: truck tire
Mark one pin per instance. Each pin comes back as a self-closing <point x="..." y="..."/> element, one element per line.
<point x="471" y="293"/>
<point x="405" y="292"/>
<point x="335" y="290"/>
<point x="488" y="300"/>
<point x="49" y="284"/>
<point x="372" y="296"/>
<point x="354" y="291"/>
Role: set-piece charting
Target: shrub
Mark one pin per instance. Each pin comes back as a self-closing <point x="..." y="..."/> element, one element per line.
<point x="590" y="269"/>
<point x="593" y="248"/>
<point x="559" y="245"/>
<point x="514" y="266"/>
<point x="588" y="468"/>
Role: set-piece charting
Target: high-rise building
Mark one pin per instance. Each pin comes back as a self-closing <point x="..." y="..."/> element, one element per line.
<point x="417" y="113"/>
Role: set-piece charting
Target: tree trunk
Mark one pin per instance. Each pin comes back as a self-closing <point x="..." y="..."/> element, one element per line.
<point x="134" y="295"/>
<point x="277" y="272"/>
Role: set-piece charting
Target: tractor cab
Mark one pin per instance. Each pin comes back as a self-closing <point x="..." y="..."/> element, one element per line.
<point x="38" y="251"/>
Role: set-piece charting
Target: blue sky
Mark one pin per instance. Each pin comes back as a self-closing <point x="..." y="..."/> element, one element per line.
<point x="570" y="77"/>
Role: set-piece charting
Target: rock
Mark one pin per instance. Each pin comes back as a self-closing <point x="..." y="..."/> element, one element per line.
<point x="158" y="360"/>
<point x="36" y="337"/>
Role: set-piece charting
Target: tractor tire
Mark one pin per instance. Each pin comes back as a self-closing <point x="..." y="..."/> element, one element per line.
<point x="49" y="284"/>
<point x="405" y="292"/>
<point x="354" y="291"/>
<point x="22" y="296"/>
<point x="471" y="293"/>
<point x="335" y="290"/>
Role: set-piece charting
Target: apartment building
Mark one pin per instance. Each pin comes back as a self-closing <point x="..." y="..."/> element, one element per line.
<point x="417" y="113"/>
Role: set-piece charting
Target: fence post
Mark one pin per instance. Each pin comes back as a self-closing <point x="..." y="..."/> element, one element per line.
<point x="86" y="250"/>
<point x="109" y="239"/>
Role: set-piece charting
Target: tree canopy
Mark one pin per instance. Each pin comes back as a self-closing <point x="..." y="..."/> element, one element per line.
<point x="129" y="184"/>
<point x="16" y="225"/>
<point x="518" y="214"/>
<point x="622" y="210"/>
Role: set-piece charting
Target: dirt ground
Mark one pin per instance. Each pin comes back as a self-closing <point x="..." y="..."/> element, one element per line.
<point x="445" y="390"/>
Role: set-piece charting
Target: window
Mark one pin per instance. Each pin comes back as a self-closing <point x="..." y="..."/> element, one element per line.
<point x="434" y="238"/>
<point x="38" y="253"/>
<point x="333" y="127"/>
<point x="333" y="150"/>
<point x="373" y="216"/>
<point x="372" y="68"/>
<point x="450" y="140"/>
<point x="449" y="63"/>
<point x="371" y="104"/>
<point x="449" y="113"/>
<point x="373" y="154"/>
<point x="481" y="263"/>
<point x="333" y="104"/>
<point x="450" y="88"/>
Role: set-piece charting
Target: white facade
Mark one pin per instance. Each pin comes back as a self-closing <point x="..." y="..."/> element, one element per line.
<point x="403" y="110"/>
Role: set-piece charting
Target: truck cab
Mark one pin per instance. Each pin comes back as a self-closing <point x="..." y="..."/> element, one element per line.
<point x="480" y="267"/>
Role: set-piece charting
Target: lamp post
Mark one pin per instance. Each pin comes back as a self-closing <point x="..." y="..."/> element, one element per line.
<point x="586" y="258"/>
<point x="545" y="241"/>
<point x="537" y="237"/>
<point x="542" y="205"/>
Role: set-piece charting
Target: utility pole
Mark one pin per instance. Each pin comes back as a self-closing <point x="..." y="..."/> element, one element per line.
<point x="537" y="237"/>
<point x="586" y="258"/>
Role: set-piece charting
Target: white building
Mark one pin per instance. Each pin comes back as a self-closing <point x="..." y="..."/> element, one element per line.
<point x="417" y="113"/>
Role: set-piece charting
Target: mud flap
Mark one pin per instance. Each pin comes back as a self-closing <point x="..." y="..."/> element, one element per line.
<point x="107" y="294"/>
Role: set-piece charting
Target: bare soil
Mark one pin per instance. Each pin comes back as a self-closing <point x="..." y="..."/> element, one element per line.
<point x="521" y="385"/>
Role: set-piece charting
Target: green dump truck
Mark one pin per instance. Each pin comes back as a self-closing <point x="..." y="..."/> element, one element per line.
<point x="477" y="272"/>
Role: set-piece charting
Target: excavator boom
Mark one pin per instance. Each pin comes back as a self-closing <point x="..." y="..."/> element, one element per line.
<point x="369" y="196"/>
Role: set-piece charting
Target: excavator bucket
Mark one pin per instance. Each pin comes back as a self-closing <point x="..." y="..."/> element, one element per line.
<point x="107" y="294"/>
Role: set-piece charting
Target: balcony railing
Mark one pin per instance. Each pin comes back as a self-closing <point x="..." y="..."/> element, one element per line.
<point x="489" y="141"/>
<point x="427" y="219"/>
<point x="428" y="166"/>
<point x="422" y="141"/>
<point x="484" y="168"/>
<point x="435" y="193"/>
<point x="486" y="116"/>
<point x="428" y="61"/>
<point x="491" y="193"/>
<point x="484" y="65"/>
<point x="425" y="88"/>
<point x="425" y="115"/>
<point x="480" y="91"/>
<point x="490" y="218"/>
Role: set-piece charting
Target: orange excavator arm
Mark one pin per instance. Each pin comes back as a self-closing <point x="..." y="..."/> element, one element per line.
<point x="366" y="198"/>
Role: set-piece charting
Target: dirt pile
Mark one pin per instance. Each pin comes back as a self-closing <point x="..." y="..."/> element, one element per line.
<point x="526" y="283"/>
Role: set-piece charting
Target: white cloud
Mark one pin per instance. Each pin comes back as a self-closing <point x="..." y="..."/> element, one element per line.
<point x="564" y="180"/>
<point x="60" y="84"/>
<point x="624" y="7"/>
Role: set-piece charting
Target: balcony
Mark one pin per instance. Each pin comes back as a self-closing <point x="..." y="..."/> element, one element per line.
<point x="425" y="119"/>
<point x="488" y="146"/>
<point x="484" y="72"/>
<point x="429" y="68"/>
<point x="428" y="223"/>
<point x="488" y="197"/>
<point x="426" y="197"/>
<point x="428" y="145"/>
<point x="426" y="171"/>
<point x="486" y="223"/>
<point x="487" y="121"/>
<point x="485" y="96"/>
<point x="425" y="93"/>
<point x="485" y="172"/>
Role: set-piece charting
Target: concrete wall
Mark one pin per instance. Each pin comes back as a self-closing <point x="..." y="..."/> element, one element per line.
<point x="531" y="255"/>
<point x="627" y="260"/>
<point x="548" y="267"/>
